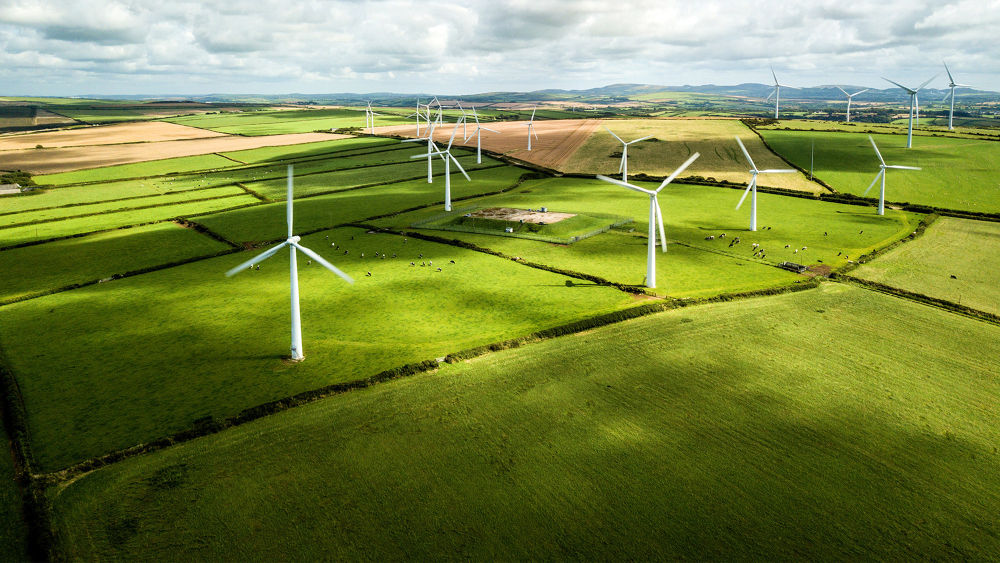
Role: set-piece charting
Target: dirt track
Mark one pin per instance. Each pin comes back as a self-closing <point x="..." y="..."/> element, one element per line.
<point x="557" y="139"/>
<point x="65" y="159"/>
<point x="149" y="131"/>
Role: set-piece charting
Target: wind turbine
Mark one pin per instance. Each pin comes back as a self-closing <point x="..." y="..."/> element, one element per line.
<point x="913" y="104"/>
<point x="952" y="85"/>
<point x="431" y="147"/>
<point x="752" y="186"/>
<point x="292" y="242"/>
<point x="478" y="133"/>
<point x="370" y="118"/>
<point x="448" y="158"/>
<point x="418" y="115"/>
<point x="465" y="128"/>
<point x="881" y="174"/>
<point x="531" y="127"/>
<point x="777" y="92"/>
<point x="849" y="97"/>
<point x="655" y="217"/>
<point x="623" y="167"/>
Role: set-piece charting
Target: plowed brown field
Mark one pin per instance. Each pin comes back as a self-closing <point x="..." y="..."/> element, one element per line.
<point x="557" y="139"/>
<point x="150" y="131"/>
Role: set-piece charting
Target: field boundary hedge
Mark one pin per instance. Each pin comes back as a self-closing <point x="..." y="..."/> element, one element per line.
<point x="925" y="222"/>
<point x="35" y="505"/>
<point x="114" y="200"/>
<point x="949" y="306"/>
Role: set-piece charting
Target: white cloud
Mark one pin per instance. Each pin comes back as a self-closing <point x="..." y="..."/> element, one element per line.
<point x="271" y="46"/>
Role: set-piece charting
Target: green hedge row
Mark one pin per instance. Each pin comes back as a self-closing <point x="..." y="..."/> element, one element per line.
<point x="925" y="222"/>
<point x="925" y="299"/>
<point x="35" y="504"/>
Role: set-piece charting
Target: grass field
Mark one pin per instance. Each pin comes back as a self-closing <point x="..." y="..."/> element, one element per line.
<point x="957" y="173"/>
<point x="138" y="170"/>
<point x="36" y="269"/>
<point x="815" y="232"/>
<point x="734" y="431"/>
<point x="286" y="121"/>
<point x="12" y="529"/>
<point x="146" y="356"/>
<point x="927" y="128"/>
<point x="677" y="140"/>
<point x="950" y="247"/>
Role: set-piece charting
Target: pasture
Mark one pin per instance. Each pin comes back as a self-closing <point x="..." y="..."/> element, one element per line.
<point x="676" y="140"/>
<point x="957" y="173"/>
<point x="699" y="433"/>
<point x="954" y="260"/>
<point x="285" y="121"/>
<point x="820" y="234"/>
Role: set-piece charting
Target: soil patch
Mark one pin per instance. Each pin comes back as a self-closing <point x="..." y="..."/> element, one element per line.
<point x="150" y="131"/>
<point x="522" y="215"/>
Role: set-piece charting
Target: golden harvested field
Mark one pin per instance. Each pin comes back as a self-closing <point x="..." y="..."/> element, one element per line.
<point x="677" y="140"/>
<point x="149" y="131"/>
<point x="65" y="159"/>
<point x="557" y="140"/>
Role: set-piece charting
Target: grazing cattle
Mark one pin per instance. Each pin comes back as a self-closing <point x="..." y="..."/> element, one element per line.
<point x="710" y="237"/>
<point x="452" y="261"/>
<point x="412" y="264"/>
<point x="787" y="245"/>
<point x="439" y="269"/>
<point x="369" y="274"/>
<point x="805" y="247"/>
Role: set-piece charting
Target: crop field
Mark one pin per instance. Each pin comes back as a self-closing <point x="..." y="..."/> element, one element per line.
<point x="955" y="260"/>
<point x="676" y="140"/>
<point x="700" y="433"/>
<point x="285" y="121"/>
<point x="108" y="135"/>
<point x="748" y="400"/>
<point x="65" y="159"/>
<point x="820" y="234"/>
<point x="927" y="128"/>
<point x="956" y="173"/>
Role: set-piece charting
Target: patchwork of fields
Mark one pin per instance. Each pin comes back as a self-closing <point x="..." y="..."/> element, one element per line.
<point x="745" y="412"/>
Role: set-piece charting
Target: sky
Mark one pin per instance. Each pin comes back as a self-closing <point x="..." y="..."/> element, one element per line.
<point x="178" y="47"/>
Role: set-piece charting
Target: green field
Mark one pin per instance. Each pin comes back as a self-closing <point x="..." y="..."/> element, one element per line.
<point x="12" y="528"/>
<point x="137" y="170"/>
<point x="956" y="173"/>
<point x="37" y="269"/>
<point x="677" y="139"/>
<point x="692" y="266"/>
<point x="734" y="431"/>
<point x="148" y="355"/>
<point x="950" y="247"/>
<point x="927" y="128"/>
<point x="285" y="121"/>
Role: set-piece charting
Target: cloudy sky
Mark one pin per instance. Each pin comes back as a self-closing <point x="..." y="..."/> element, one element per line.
<point x="73" y="47"/>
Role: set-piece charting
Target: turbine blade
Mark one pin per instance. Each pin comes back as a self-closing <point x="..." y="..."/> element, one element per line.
<point x="488" y="129"/>
<point x="642" y="139"/>
<point x="742" y="199"/>
<point x="777" y="171"/>
<point x="844" y="91"/>
<point x="872" y="185"/>
<point x="460" y="169"/>
<point x="615" y="136"/>
<point x="746" y="154"/>
<point x="900" y="85"/>
<point x="533" y="113"/>
<point x="859" y="92"/>
<point x="874" y="146"/>
<point x="259" y="258"/>
<point x="625" y="185"/>
<point x="771" y="94"/>
<point x="774" y="75"/>
<point x="323" y="262"/>
<point x="928" y="81"/>
<point x="903" y="167"/>
<point x="950" y="79"/>
<point x="659" y="219"/>
<point x="677" y="172"/>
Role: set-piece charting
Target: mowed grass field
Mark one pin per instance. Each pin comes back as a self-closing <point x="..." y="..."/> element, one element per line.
<point x="285" y="121"/>
<point x="677" y="139"/>
<point x="956" y="173"/>
<point x="816" y="234"/>
<point x="928" y="127"/>
<point x="955" y="260"/>
<point x="732" y="431"/>
<point x="146" y="356"/>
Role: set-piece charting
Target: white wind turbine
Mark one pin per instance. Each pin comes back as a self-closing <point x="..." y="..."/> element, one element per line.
<point x="623" y="167"/>
<point x="448" y="158"/>
<point x="849" y="97"/>
<point x="531" y="127"/>
<point x="465" y="128"/>
<point x="914" y="108"/>
<point x="881" y="174"/>
<point x="952" y="85"/>
<point x="431" y="147"/>
<point x="777" y="92"/>
<point x="655" y="217"/>
<point x="292" y="242"/>
<point x="478" y="134"/>
<point x="752" y="186"/>
<point x="370" y="118"/>
<point x="418" y="115"/>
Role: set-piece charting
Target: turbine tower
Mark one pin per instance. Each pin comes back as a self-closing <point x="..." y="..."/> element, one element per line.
<point x="952" y="85"/>
<point x="478" y="134"/>
<point x="752" y="186"/>
<point x="777" y="92"/>
<point x="531" y="127"/>
<point x="881" y="174"/>
<point x="913" y="105"/>
<point x="448" y="158"/>
<point x="623" y="167"/>
<point x="849" y="97"/>
<point x="292" y="242"/>
<point x="655" y="217"/>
